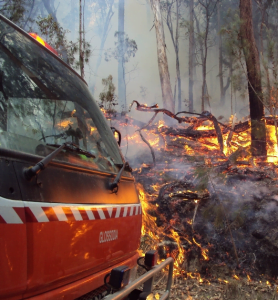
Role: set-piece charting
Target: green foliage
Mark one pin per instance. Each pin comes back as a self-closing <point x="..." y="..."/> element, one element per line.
<point x="124" y="48"/>
<point x="86" y="52"/>
<point x="55" y="35"/>
<point x="14" y="10"/>
<point x="201" y="178"/>
<point x="51" y="29"/>
<point x="108" y="97"/>
<point x="185" y="24"/>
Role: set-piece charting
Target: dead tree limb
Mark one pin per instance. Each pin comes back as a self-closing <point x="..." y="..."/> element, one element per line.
<point x="154" y="108"/>
<point x="217" y="130"/>
<point x="230" y="136"/>
<point x="195" y="121"/>
<point x="145" y="141"/>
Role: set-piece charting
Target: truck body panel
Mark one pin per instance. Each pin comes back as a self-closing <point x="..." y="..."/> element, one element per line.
<point x="64" y="229"/>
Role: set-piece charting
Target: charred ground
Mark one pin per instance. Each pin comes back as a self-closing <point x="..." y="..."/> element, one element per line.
<point x="210" y="205"/>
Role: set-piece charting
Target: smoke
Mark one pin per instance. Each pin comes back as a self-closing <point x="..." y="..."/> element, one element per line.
<point x="139" y="26"/>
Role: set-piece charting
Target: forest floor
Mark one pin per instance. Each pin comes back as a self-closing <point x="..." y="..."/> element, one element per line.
<point x="227" y="288"/>
<point x="215" y="214"/>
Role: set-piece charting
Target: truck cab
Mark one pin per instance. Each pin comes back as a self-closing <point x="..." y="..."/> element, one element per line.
<point x="68" y="224"/>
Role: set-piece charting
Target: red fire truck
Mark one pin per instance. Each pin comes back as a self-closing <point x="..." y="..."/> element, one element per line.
<point x="70" y="217"/>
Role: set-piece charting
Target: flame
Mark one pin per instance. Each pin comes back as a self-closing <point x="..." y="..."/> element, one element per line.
<point x="160" y="124"/>
<point x="222" y="280"/>
<point x="92" y="129"/>
<point x="204" y="251"/>
<point x="65" y="123"/>
<point x="272" y="151"/>
<point x="206" y="148"/>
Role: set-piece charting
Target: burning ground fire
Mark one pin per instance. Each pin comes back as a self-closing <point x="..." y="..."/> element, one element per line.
<point x="205" y="200"/>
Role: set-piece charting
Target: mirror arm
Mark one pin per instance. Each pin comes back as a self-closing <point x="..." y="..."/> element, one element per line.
<point x="114" y="185"/>
<point x="119" y="134"/>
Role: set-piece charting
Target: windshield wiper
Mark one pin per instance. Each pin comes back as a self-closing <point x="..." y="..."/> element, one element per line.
<point x="31" y="172"/>
<point x="74" y="148"/>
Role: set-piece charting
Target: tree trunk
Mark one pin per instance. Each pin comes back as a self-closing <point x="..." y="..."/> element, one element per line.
<point x="222" y="99"/>
<point x="191" y="55"/>
<point x="203" y="62"/>
<point x="79" y="111"/>
<point x="108" y="17"/>
<point x="167" y="95"/>
<point x="175" y="40"/>
<point x="177" y="56"/>
<point x="81" y="52"/>
<point x="258" y="130"/>
<point x="121" y="62"/>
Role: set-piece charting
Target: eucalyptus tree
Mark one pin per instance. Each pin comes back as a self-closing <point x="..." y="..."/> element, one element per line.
<point x="206" y="10"/>
<point x="191" y="55"/>
<point x="220" y="57"/>
<point x="102" y="12"/>
<point x="81" y="40"/>
<point x="172" y="10"/>
<point x="220" y="21"/>
<point x="167" y="95"/>
<point x="125" y="49"/>
<point x="258" y="129"/>
<point x="121" y="62"/>
<point x="187" y="23"/>
<point x="18" y="11"/>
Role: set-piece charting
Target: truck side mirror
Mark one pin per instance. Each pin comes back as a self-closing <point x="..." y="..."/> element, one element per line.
<point x="117" y="135"/>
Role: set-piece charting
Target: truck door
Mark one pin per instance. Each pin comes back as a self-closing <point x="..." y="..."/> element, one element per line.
<point x="13" y="248"/>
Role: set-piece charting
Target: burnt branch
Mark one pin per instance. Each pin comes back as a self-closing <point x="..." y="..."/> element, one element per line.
<point x="204" y="116"/>
<point x="155" y="109"/>
<point x="145" y="141"/>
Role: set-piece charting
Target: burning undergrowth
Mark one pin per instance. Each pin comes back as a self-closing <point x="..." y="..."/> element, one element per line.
<point x="206" y="201"/>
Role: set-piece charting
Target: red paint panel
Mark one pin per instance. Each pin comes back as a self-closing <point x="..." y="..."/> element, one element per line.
<point x="74" y="249"/>
<point x="85" y="285"/>
<point x="13" y="261"/>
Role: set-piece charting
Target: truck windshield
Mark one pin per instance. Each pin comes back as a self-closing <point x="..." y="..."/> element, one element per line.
<point x="43" y="101"/>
